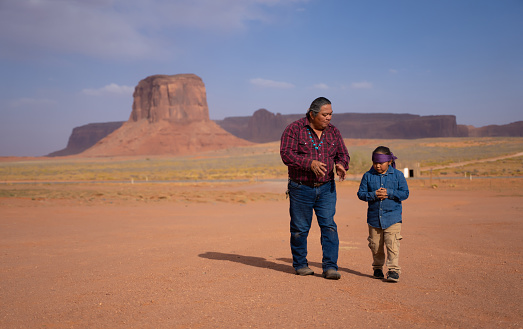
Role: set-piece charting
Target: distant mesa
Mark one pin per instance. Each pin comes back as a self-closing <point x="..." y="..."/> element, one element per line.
<point x="84" y="137"/>
<point x="514" y="129"/>
<point x="264" y="126"/>
<point x="170" y="116"/>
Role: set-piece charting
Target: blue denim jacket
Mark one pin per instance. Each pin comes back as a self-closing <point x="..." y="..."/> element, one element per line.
<point x="382" y="214"/>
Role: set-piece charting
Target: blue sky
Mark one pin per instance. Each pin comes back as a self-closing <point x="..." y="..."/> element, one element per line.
<point x="67" y="63"/>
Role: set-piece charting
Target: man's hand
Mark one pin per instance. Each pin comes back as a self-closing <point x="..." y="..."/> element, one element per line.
<point x="381" y="193"/>
<point x="340" y="171"/>
<point x="319" y="168"/>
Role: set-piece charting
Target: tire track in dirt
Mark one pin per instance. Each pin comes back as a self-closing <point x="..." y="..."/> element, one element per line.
<point x="464" y="163"/>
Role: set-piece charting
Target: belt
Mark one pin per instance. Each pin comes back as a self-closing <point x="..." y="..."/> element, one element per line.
<point x="310" y="184"/>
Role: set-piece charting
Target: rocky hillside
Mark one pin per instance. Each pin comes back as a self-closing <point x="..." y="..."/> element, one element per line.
<point x="84" y="137"/>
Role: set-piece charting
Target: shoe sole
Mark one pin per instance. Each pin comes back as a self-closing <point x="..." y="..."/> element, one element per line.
<point x="392" y="280"/>
<point x="305" y="274"/>
<point x="309" y="272"/>
<point x="332" y="277"/>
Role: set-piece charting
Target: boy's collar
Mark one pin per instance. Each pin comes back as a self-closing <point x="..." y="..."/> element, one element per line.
<point x="389" y="171"/>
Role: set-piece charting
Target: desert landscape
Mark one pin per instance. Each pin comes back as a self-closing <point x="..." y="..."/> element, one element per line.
<point x="202" y="241"/>
<point x="170" y="221"/>
<point x="142" y="186"/>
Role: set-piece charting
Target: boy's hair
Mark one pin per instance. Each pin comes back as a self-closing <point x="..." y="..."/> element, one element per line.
<point x="382" y="154"/>
<point x="382" y="150"/>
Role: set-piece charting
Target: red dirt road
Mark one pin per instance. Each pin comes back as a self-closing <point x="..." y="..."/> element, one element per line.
<point x="164" y="264"/>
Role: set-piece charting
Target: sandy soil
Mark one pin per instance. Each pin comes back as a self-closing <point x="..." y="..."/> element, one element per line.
<point x="163" y="263"/>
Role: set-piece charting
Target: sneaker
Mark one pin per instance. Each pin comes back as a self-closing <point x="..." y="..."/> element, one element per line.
<point x="378" y="274"/>
<point x="304" y="271"/>
<point x="393" y="276"/>
<point x="331" y="274"/>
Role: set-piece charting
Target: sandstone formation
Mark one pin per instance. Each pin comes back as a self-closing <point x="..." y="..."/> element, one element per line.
<point x="180" y="98"/>
<point x="84" y="137"/>
<point x="402" y="126"/>
<point x="265" y="126"/>
<point x="169" y="116"/>
<point x="514" y="129"/>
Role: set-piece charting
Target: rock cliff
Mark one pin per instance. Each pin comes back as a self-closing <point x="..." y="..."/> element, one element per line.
<point x="514" y="129"/>
<point x="265" y="126"/>
<point x="169" y="116"/>
<point x="84" y="137"/>
<point x="179" y="98"/>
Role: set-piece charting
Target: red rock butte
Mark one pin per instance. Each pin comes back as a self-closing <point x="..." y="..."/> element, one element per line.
<point x="169" y="116"/>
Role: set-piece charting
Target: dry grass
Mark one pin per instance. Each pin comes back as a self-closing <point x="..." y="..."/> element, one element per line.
<point x="115" y="193"/>
<point x="501" y="185"/>
<point x="263" y="162"/>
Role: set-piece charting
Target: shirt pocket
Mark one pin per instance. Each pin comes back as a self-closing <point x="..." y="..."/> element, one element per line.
<point x="391" y="183"/>
<point x="304" y="147"/>
<point x="330" y="147"/>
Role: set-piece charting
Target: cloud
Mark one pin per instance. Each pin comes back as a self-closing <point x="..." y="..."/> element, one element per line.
<point x="361" y="85"/>
<point x="92" y="28"/>
<point x="271" y="83"/>
<point x="320" y="86"/>
<point x="393" y="71"/>
<point x="222" y="16"/>
<point x="31" y="102"/>
<point x="111" y="89"/>
<point x="120" y="29"/>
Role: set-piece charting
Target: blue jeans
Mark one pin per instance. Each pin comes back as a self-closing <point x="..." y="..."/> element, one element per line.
<point x="303" y="200"/>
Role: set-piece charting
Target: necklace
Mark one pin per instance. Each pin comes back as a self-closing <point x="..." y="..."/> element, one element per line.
<point x="312" y="139"/>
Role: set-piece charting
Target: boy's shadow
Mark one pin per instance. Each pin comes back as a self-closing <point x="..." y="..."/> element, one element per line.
<point x="264" y="263"/>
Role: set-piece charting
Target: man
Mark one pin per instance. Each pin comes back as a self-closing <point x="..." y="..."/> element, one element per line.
<point x="312" y="148"/>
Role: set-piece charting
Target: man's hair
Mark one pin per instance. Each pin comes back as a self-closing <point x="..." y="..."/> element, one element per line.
<point x="382" y="150"/>
<point x="316" y="105"/>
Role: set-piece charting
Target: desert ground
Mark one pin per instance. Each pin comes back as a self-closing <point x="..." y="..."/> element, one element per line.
<point x="217" y="255"/>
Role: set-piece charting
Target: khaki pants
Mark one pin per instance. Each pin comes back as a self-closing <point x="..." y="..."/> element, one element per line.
<point x="380" y="239"/>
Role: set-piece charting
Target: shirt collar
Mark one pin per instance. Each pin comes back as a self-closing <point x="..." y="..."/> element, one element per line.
<point x="389" y="171"/>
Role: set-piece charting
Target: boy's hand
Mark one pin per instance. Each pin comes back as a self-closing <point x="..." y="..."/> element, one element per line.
<point x="381" y="193"/>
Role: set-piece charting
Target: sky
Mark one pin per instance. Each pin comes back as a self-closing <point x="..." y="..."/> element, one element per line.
<point x="68" y="63"/>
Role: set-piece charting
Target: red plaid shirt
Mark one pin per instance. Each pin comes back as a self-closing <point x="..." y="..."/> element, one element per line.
<point x="297" y="151"/>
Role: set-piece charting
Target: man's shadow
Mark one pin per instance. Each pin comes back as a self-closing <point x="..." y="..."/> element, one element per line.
<point x="248" y="260"/>
<point x="264" y="263"/>
<point x="340" y="269"/>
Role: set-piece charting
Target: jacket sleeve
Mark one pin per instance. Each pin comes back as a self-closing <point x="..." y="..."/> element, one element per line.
<point x="401" y="192"/>
<point x="363" y="192"/>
